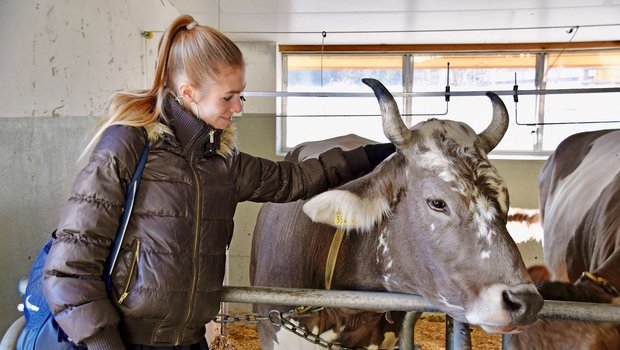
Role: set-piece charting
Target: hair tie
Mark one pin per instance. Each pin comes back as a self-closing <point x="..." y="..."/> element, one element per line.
<point x="191" y="25"/>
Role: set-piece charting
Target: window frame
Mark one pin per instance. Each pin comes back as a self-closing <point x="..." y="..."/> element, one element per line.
<point x="407" y="52"/>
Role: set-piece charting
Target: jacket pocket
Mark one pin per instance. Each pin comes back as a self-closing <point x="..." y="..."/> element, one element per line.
<point x="132" y="268"/>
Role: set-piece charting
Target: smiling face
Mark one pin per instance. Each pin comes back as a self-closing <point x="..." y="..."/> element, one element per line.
<point x="216" y="101"/>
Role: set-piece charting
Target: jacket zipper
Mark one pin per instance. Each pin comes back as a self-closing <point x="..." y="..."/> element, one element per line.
<point x="134" y="262"/>
<point x="195" y="253"/>
<point x="211" y="136"/>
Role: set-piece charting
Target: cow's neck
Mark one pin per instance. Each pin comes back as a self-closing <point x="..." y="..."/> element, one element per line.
<point x="356" y="265"/>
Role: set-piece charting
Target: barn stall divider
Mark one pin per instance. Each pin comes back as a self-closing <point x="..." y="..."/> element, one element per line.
<point x="457" y="333"/>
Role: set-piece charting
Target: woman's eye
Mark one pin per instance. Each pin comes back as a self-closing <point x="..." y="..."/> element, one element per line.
<point x="437" y="205"/>
<point x="229" y="98"/>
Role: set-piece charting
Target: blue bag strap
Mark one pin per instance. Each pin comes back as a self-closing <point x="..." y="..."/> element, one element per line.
<point x="127" y="208"/>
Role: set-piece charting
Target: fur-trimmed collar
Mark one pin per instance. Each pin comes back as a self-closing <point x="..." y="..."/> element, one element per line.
<point x="164" y="128"/>
<point x="228" y="140"/>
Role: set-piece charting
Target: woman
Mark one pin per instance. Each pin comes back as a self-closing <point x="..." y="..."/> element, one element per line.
<point x="168" y="277"/>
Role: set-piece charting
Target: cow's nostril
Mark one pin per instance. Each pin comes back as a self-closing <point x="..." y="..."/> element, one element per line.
<point x="511" y="301"/>
<point x="523" y="305"/>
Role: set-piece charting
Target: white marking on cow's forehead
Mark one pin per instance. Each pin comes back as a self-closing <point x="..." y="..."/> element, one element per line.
<point x="429" y="156"/>
<point x="465" y="169"/>
<point x="457" y="131"/>
<point x="449" y="161"/>
<point x="432" y="228"/>
<point x="484" y="214"/>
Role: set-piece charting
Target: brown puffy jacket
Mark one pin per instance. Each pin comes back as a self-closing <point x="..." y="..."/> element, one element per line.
<point x="169" y="274"/>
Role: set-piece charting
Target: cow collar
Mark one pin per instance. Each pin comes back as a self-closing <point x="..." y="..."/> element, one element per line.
<point x="601" y="282"/>
<point x="332" y="256"/>
<point x="330" y="266"/>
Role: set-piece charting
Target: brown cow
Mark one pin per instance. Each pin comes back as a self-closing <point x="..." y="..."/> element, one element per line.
<point x="580" y="211"/>
<point x="431" y="219"/>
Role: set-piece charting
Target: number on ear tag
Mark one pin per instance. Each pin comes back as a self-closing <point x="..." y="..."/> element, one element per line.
<point x="340" y="220"/>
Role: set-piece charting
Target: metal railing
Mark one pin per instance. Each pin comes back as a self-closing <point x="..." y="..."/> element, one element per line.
<point x="457" y="333"/>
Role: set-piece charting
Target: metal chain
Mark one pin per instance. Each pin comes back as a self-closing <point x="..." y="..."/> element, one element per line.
<point x="249" y="318"/>
<point x="277" y="318"/>
<point x="280" y="319"/>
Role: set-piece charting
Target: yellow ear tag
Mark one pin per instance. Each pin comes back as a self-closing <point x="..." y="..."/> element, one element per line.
<point x="339" y="220"/>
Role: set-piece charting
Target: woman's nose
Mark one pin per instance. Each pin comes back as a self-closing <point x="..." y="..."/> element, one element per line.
<point x="237" y="107"/>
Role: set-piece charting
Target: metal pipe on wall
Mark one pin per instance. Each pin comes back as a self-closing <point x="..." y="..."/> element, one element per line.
<point x="430" y="93"/>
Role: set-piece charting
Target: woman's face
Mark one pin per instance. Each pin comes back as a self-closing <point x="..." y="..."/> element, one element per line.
<point x="216" y="101"/>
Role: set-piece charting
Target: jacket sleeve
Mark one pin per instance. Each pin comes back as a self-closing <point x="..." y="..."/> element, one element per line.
<point x="262" y="180"/>
<point x="73" y="283"/>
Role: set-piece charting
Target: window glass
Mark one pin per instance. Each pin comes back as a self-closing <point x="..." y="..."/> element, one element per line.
<point x="478" y="72"/>
<point x="315" y="118"/>
<point x="568" y="114"/>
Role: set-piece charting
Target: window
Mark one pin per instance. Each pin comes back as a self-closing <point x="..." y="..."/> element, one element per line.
<point x="538" y="121"/>
<point x="564" y="114"/>
<point x="315" y="118"/>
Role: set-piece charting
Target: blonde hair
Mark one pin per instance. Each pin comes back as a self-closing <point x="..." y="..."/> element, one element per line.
<point x="186" y="50"/>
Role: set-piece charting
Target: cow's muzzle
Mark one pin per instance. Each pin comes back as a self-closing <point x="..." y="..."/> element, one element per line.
<point x="523" y="302"/>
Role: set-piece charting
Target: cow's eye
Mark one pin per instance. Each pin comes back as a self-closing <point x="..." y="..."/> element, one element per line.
<point x="437" y="205"/>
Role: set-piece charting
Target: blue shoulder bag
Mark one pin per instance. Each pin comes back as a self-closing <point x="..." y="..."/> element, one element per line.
<point x="41" y="331"/>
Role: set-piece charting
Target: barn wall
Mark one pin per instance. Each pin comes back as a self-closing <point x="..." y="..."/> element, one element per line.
<point x="61" y="60"/>
<point x="521" y="176"/>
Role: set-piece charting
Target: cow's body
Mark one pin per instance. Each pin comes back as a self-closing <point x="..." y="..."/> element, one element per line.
<point x="431" y="219"/>
<point x="580" y="210"/>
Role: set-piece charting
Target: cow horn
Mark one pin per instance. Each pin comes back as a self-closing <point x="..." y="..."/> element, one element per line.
<point x="493" y="134"/>
<point x="393" y="126"/>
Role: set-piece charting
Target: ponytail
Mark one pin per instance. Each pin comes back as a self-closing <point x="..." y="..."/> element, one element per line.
<point x="186" y="49"/>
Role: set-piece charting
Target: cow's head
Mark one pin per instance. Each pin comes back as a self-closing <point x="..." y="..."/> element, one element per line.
<point x="436" y="211"/>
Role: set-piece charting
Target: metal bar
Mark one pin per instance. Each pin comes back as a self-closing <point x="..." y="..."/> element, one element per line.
<point x="407" y="334"/>
<point x="330" y="298"/>
<point x="407" y="86"/>
<point x="572" y="310"/>
<point x="428" y="94"/>
<point x="281" y="123"/>
<point x="399" y="301"/>
<point x="542" y="66"/>
<point x="458" y="335"/>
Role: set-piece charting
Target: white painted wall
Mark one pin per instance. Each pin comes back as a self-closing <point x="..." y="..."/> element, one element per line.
<point x="65" y="57"/>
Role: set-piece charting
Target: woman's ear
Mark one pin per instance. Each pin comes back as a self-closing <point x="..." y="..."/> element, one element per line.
<point x="187" y="92"/>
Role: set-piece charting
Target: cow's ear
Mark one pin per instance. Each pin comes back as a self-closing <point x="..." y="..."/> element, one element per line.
<point x="359" y="204"/>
